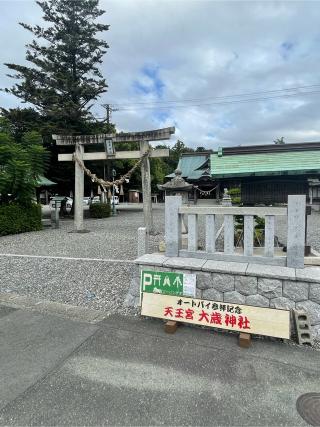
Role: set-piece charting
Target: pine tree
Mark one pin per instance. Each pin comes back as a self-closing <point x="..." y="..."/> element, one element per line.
<point x="64" y="77"/>
<point x="279" y="141"/>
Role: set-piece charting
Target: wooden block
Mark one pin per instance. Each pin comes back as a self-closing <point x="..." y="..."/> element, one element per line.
<point x="244" y="340"/>
<point x="170" y="327"/>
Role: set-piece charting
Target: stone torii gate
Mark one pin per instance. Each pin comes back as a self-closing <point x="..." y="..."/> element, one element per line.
<point x="109" y="140"/>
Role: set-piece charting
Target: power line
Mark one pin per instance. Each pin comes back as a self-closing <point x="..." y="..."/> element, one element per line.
<point x="218" y="97"/>
<point x="235" y="101"/>
<point x="227" y="102"/>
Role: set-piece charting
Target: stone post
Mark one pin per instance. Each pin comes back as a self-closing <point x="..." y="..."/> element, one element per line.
<point x="78" y="190"/>
<point x="173" y="225"/>
<point x="296" y="231"/>
<point x="218" y="191"/>
<point x="146" y="188"/>
<point x="143" y="241"/>
<point x="54" y="213"/>
<point x="103" y="197"/>
<point x="310" y="195"/>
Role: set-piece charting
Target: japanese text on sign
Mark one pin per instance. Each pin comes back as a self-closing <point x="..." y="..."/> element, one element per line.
<point x="169" y="283"/>
<point x="236" y="317"/>
<point x="206" y="317"/>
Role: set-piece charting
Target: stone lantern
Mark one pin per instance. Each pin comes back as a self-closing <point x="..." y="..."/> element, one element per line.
<point x="226" y="199"/>
<point x="177" y="187"/>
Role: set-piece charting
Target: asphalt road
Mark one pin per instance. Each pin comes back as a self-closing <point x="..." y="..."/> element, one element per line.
<point x="127" y="371"/>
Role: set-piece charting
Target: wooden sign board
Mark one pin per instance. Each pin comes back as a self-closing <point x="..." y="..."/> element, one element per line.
<point x="234" y="317"/>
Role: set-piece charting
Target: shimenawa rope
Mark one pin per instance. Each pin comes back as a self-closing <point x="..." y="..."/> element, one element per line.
<point x="107" y="184"/>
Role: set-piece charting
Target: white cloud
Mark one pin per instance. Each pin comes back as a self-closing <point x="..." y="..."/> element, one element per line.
<point x="203" y="49"/>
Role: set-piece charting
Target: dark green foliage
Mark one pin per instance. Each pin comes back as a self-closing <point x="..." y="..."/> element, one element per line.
<point x="64" y="77"/>
<point x="235" y="191"/>
<point x="279" y="141"/>
<point x="259" y="224"/>
<point x="235" y="194"/>
<point x="236" y="200"/>
<point x="18" y="121"/>
<point x="176" y="151"/>
<point x="19" y="219"/>
<point x="159" y="169"/>
<point x="100" y="210"/>
<point x="20" y="166"/>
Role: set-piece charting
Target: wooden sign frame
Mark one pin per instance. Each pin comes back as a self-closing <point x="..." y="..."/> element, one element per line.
<point x="235" y="317"/>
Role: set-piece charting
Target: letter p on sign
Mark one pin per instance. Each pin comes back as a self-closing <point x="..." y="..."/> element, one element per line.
<point x="147" y="280"/>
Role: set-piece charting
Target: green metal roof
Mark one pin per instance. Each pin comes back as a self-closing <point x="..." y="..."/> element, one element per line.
<point x="278" y="163"/>
<point x="189" y="164"/>
<point x="44" y="182"/>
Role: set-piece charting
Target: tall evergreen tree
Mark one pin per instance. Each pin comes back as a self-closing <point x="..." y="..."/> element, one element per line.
<point x="64" y="77"/>
<point x="279" y="141"/>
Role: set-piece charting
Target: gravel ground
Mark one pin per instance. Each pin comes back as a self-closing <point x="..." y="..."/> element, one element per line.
<point x="100" y="285"/>
<point x="92" y="283"/>
<point x="114" y="238"/>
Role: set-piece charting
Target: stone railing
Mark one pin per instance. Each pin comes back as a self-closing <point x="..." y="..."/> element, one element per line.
<point x="295" y="213"/>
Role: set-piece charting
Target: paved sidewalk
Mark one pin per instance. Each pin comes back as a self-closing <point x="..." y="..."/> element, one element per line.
<point x="127" y="371"/>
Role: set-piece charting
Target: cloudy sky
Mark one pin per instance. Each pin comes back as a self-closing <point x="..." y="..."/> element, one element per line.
<point x="217" y="71"/>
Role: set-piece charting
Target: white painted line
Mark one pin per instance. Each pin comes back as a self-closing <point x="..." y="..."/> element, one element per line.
<point x="125" y="261"/>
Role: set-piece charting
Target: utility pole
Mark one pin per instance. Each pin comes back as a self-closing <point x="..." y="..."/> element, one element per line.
<point x="108" y="108"/>
<point x="109" y="111"/>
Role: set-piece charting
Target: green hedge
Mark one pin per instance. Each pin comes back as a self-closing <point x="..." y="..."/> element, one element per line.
<point x="100" y="210"/>
<point x="16" y="219"/>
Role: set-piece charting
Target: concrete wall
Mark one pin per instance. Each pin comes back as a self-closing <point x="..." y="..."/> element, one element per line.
<point x="241" y="283"/>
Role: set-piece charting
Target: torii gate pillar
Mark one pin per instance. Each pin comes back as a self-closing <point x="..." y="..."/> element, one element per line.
<point x="146" y="188"/>
<point x="79" y="190"/>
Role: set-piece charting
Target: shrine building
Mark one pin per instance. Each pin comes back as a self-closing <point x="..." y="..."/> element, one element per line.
<point x="265" y="174"/>
<point x="195" y="169"/>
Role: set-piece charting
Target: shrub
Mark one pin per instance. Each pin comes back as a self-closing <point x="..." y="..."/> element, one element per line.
<point x="259" y="224"/>
<point x="236" y="200"/>
<point x="235" y="191"/>
<point x="16" y="219"/>
<point x="235" y="194"/>
<point x="100" y="210"/>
